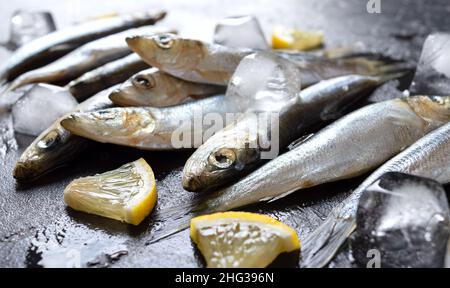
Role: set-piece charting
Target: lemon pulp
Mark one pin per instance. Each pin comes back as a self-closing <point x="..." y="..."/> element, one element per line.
<point x="241" y="239"/>
<point x="126" y="194"/>
<point x="285" y="38"/>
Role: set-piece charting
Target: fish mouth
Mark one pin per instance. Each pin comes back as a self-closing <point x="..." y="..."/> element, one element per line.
<point x="83" y="125"/>
<point x="150" y="47"/>
<point x="192" y="183"/>
<point x="124" y="126"/>
<point x="144" y="46"/>
<point x="72" y="123"/>
<point x="24" y="172"/>
<point x="118" y="98"/>
<point x="128" y="99"/>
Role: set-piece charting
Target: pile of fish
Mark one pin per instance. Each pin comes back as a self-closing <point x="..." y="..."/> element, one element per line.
<point x="140" y="84"/>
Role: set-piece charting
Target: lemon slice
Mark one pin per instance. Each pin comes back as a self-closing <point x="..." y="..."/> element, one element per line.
<point x="127" y="194"/>
<point x="284" y="38"/>
<point x="241" y="239"/>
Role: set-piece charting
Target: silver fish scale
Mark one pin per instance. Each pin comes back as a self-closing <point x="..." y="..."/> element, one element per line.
<point x="428" y="157"/>
<point x="338" y="152"/>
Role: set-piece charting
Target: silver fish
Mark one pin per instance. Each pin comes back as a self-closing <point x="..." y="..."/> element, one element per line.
<point x="349" y="147"/>
<point x="155" y="88"/>
<point x="56" y="146"/>
<point x="428" y="157"/>
<point x="234" y="151"/>
<point x="84" y="59"/>
<point x="105" y="76"/>
<point x="147" y="128"/>
<point x="197" y="61"/>
<point x="190" y="60"/>
<point x="52" y="46"/>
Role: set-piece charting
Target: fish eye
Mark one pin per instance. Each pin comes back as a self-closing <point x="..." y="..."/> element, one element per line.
<point x="164" y="41"/>
<point x="51" y="139"/>
<point x="223" y="158"/>
<point x="437" y="99"/>
<point x="144" y="82"/>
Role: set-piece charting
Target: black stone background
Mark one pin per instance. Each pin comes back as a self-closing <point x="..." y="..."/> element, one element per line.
<point x="36" y="229"/>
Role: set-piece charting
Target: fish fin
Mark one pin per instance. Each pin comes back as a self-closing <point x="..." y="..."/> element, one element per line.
<point x="3" y="87"/>
<point x="61" y="48"/>
<point x="171" y="228"/>
<point x="383" y="78"/>
<point x="272" y="199"/>
<point x="173" y="220"/>
<point x="319" y="248"/>
<point x="300" y="141"/>
<point x="390" y="72"/>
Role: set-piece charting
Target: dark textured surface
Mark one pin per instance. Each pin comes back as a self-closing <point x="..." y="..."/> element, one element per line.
<point x="38" y="230"/>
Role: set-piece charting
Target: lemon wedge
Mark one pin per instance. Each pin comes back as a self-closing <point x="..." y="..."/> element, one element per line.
<point x="285" y="38"/>
<point x="241" y="239"/>
<point x="126" y="194"/>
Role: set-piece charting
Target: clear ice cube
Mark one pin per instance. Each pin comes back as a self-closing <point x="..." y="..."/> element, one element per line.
<point x="27" y="26"/>
<point x="406" y="219"/>
<point x="263" y="82"/>
<point x="240" y="32"/>
<point x="40" y="107"/>
<point x="433" y="71"/>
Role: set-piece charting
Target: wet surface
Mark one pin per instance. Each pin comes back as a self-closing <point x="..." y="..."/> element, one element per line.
<point x="37" y="230"/>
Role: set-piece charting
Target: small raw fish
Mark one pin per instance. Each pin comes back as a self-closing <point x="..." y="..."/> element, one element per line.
<point x="349" y="147"/>
<point x="52" y="46"/>
<point x="235" y="151"/>
<point x="84" y="59"/>
<point x="429" y="157"/>
<point x="190" y="60"/>
<point x="56" y="146"/>
<point x="105" y="76"/>
<point x="149" y="128"/>
<point x="155" y="88"/>
<point x="197" y="61"/>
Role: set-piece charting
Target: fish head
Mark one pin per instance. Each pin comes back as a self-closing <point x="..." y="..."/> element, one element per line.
<point x="49" y="151"/>
<point x="217" y="163"/>
<point x="434" y="109"/>
<point x="138" y="90"/>
<point x="126" y="125"/>
<point x="151" y="87"/>
<point x="167" y="51"/>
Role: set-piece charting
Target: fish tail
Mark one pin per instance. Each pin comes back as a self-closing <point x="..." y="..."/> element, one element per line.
<point x="389" y="76"/>
<point x="4" y="90"/>
<point x="377" y="64"/>
<point x="322" y="244"/>
<point x="3" y="86"/>
<point x="399" y="67"/>
<point x="173" y="220"/>
<point x="319" y="248"/>
<point x="16" y="84"/>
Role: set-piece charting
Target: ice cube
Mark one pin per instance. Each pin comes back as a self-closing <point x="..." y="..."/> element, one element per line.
<point x="433" y="71"/>
<point x="241" y="32"/>
<point x="263" y="82"/>
<point x="27" y="26"/>
<point x="402" y="220"/>
<point x="7" y="139"/>
<point x="40" y="107"/>
<point x="9" y="98"/>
